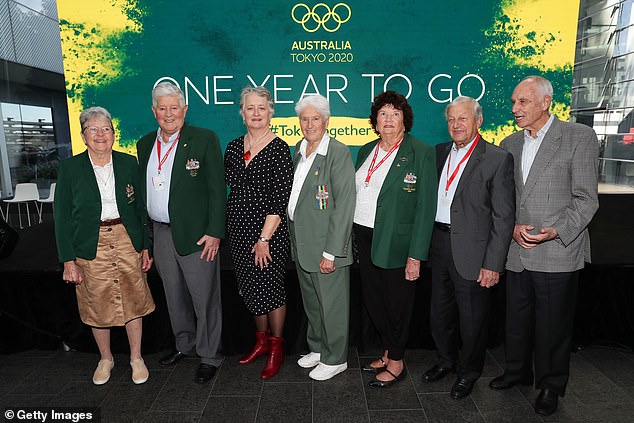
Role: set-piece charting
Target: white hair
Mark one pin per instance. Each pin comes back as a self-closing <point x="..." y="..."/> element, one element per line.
<point x="317" y="102"/>
<point x="167" y="89"/>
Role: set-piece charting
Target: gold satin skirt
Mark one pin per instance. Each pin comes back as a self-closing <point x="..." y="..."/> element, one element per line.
<point x="115" y="289"/>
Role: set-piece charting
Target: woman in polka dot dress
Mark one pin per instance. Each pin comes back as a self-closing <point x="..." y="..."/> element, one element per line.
<point x="259" y="172"/>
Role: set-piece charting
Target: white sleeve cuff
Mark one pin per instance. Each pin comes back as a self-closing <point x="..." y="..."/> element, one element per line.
<point x="328" y="256"/>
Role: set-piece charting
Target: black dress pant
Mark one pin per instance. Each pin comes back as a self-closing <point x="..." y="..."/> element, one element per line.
<point x="460" y="309"/>
<point x="387" y="295"/>
<point x="540" y="314"/>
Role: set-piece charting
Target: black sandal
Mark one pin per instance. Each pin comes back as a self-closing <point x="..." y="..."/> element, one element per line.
<point x="368" y="367"/>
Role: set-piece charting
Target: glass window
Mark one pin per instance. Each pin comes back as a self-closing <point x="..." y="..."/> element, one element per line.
<point x="30" y="141"/>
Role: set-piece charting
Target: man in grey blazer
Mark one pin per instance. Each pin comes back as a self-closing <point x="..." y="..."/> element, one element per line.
<point x="320" y="211"/>
<point x="556" y="168"/>
<point x="474" y="224"/>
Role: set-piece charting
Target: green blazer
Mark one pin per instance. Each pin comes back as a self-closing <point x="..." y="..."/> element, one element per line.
<point x="325" y="225"/>
<point x="405" y="212"/>
<point x="77" y="206"/>
<point x="197" y="196"/>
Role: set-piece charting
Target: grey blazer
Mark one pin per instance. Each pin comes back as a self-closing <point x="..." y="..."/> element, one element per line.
<point x="561" y="191"/>
<point x="482" y="210"/>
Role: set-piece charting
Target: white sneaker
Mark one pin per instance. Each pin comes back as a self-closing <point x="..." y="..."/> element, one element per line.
<point x="309" y="360"/>
<point x="325" y="371"/>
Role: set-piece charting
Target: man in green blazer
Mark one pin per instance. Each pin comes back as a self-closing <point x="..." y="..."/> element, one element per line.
<point x="185" y="191"/>
<point x="320" y="210"/>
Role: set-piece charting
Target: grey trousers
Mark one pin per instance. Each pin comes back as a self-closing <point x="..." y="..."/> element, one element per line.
<point x="192" y="291"/>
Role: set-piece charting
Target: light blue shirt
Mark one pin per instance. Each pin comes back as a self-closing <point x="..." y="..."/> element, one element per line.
<point x="531" y="146"/>
<point x="445" y="196"/>
<point x="158" y="199"/>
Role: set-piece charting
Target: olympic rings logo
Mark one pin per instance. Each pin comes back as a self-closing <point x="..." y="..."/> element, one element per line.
<point x="321" y="16"/>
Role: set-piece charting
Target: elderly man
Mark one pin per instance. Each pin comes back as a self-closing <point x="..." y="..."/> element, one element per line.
<point x="556" y="168"/>
<point x="320" y="211"/>
<point x="473" y="229"/>
<point x="182" y="167"/>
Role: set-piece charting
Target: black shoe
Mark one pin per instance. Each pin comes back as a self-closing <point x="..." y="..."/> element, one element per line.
<point x="462" y="388"/>
<point x="172" y="358"/>
<point x="375" y="383"/>
<point x="436" y="373"/>
<point x="205" y="373"/>
<point x="546" y="403"/>
<point x="500" y="383"/>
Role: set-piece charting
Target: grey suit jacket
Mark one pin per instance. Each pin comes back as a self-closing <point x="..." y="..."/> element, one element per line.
<point x="560" y="192"/>
<point x="482" y="210"/>
<point x="326" y="225"/>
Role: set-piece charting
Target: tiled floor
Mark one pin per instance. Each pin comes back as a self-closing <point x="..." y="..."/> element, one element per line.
<point x="601" y="389"/>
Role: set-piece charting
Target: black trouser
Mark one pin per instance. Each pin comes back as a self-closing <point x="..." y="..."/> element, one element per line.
<point x="460" y="309"/>
<point x="540" y="315"/>
<point x="388" y="296"/>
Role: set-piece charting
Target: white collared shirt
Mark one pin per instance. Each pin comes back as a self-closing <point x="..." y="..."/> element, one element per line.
<point x="368" y="196"/>
<point x="158" y="200"/>
<point x="531" y="146"/>
<point x="445" y="197"/>
<point x="301" y="172"/>
<point x="105" y="182"/>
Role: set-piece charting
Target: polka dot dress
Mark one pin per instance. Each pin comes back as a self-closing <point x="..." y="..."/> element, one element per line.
<point x="260" y="189"/>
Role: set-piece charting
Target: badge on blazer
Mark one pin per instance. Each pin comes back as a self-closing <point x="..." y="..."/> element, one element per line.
<point x="129" y="192"/>
<point x="192" y="166"/>
<point x="410" y="182"/>
<point x="401" y="160"/>
<point x="322" y="196"/>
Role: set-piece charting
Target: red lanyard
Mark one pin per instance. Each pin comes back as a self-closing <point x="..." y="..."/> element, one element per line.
<point x="372" y="167"/>
<point x="158" y="150"/>
<point x="455" y="172"/>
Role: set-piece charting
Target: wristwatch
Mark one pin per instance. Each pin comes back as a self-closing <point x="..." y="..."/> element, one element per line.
<point x="264" y="239"/>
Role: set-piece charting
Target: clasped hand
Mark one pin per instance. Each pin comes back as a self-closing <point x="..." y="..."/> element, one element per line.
<point x="524" y="239"/>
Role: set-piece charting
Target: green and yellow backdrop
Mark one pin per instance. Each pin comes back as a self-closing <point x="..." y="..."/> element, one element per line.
<point x="115" y="51"/>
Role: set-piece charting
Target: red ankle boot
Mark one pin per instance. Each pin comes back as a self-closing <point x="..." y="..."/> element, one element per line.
<point x="276" y="356"/>
<point x="261" y="347"/>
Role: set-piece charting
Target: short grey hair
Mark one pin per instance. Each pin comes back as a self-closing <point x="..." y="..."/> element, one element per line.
<point x="477" y="109"/>
<point x="260" y="92"/>
<point x="167" y="89"/>
<point x="95" y="112"/>
<point x="544" y="87"/>
<point x="317" y="102"/>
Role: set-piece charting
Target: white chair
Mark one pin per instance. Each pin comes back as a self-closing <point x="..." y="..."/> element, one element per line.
<point x="23" y="194"/>
<point x="48" y="200"/>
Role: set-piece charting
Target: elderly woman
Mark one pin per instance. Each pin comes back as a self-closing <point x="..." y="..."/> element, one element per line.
<point x="103" y="242"/>
<point x="320" y="215"/>
<point x="259" y="172"/>
<point x="394" y="216"/>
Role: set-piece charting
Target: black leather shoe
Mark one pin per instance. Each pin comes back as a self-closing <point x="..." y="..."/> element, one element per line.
<point x="436" y="373"/>
<point x="500" y="383"/>
<point x="205" y="373"/>
<point x="462" y="388"/>
<point x="546" y="403"/>
<point x="172" y="358"/>
<point x="375" y="383"/>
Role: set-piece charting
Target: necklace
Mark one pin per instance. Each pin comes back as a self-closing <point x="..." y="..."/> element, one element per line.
<point x="247" y="154"/>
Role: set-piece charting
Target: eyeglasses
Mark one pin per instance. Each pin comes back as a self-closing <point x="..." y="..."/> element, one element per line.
<point x="94" y="129"/>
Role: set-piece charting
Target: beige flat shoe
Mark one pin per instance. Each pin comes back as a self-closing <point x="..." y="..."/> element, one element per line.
<point x="140" y="373"/>
<point x="102" y="373"/>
